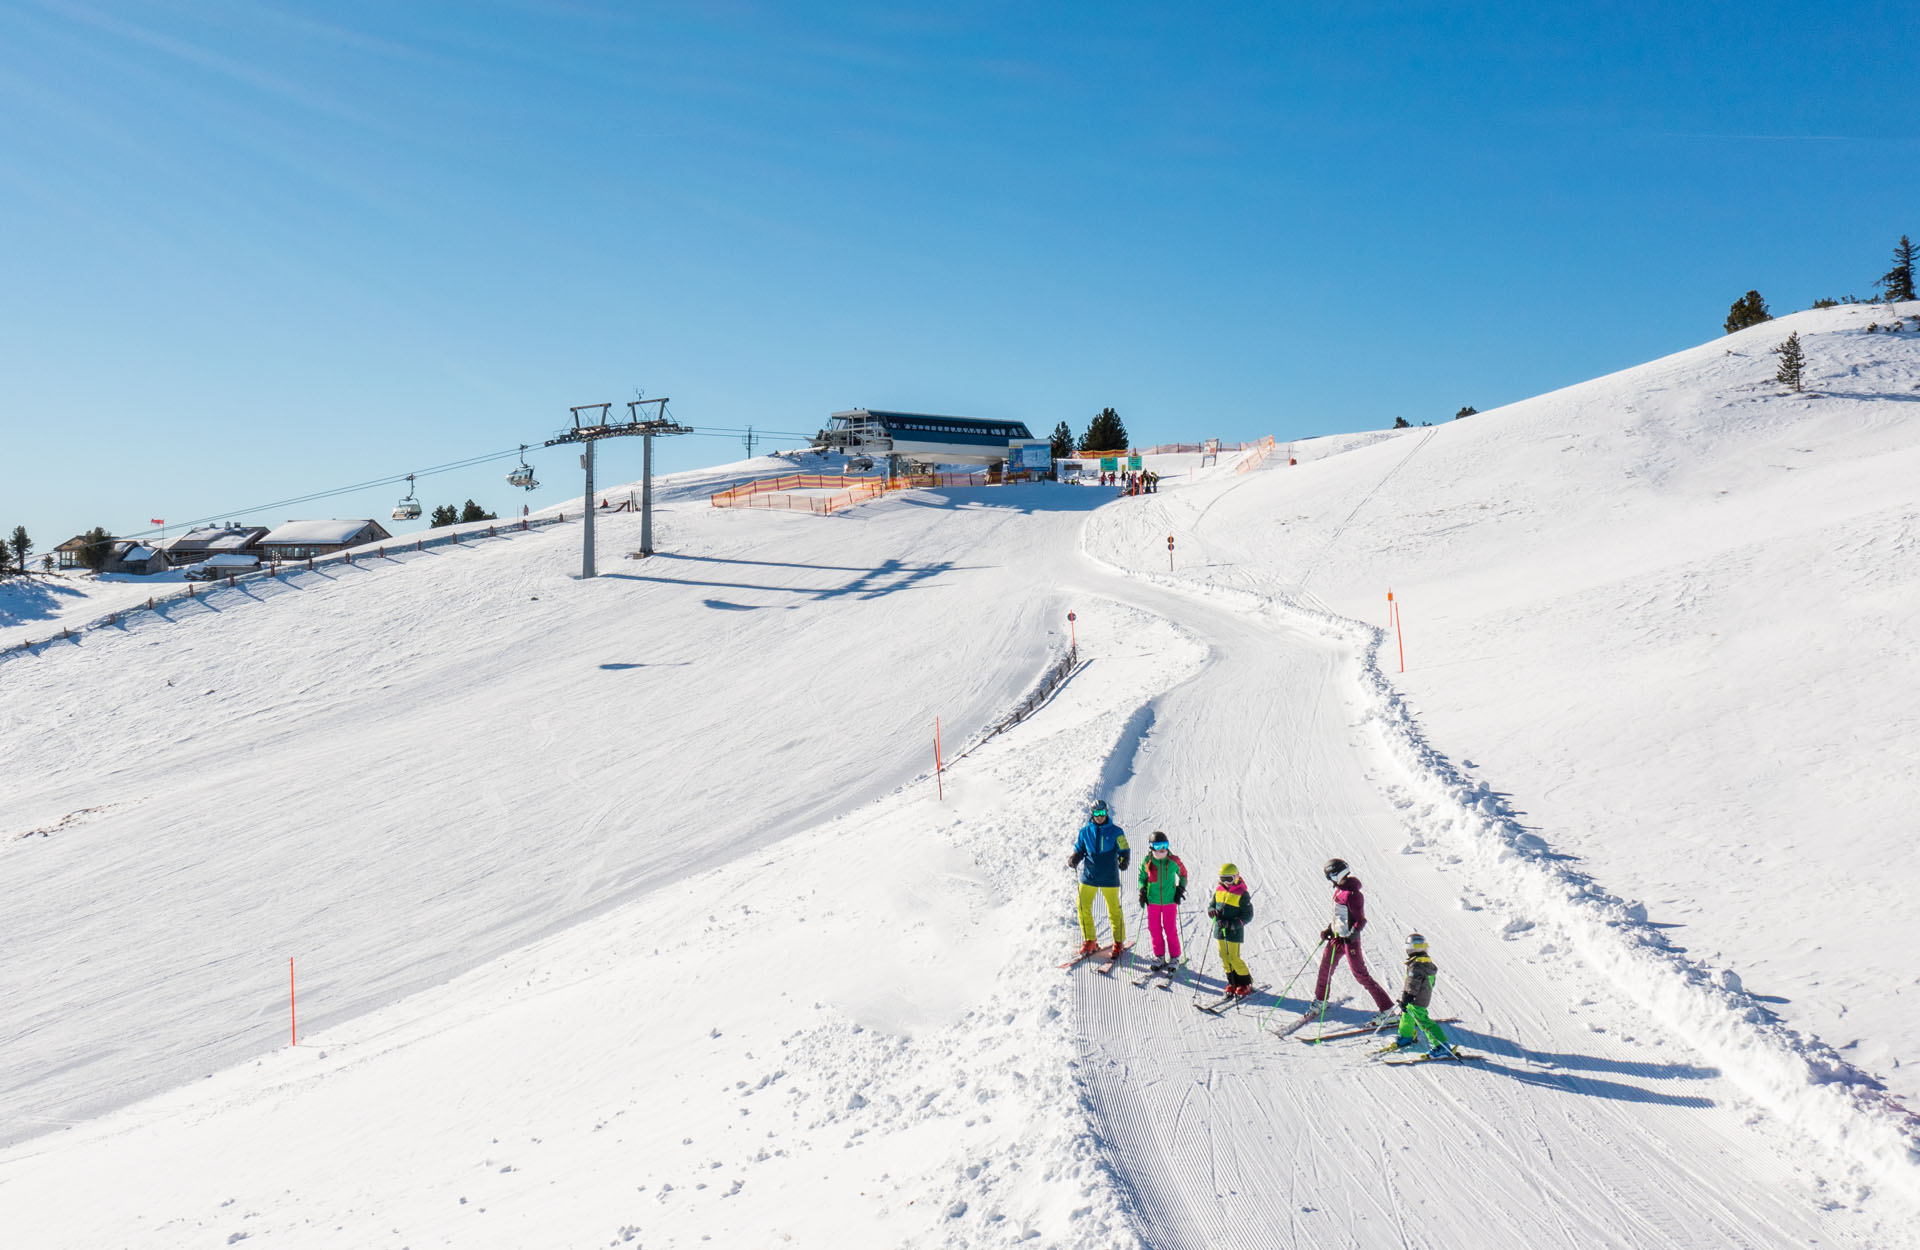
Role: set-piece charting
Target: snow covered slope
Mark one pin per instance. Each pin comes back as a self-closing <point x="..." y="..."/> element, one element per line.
<point x="627" y="912"/>
<point x="1668" y="611"/>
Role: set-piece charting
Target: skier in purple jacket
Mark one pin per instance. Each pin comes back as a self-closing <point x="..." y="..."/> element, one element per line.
<point x="1343" y="937"/>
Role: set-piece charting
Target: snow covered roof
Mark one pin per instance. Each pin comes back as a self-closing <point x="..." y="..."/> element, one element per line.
<point x="138" y="553"/>
<point x="214" y="538"/>
<point x="318" y="533"/>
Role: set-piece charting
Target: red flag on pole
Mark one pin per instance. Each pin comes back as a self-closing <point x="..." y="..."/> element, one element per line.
<point x="155" y="521"/>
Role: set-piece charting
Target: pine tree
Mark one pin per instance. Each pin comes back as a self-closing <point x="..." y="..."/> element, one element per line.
<point x="1401" y="423"/>
<point x="1749" y="310"/>
<point x="1105" y="432"/>
<point x="474" y="512"/>
<point x="22" y="546"/>
<point x="1062" y="441"/>
<point x="1792" y="362"/>
<point x="1898" y="281"/>
<point x="1468" y="411"/>
<point x="6" y="560"/>
<point x="443" y="514"/>
<point x="98" y="548"/>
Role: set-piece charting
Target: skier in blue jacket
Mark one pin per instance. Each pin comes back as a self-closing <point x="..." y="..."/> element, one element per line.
<point x="1100" y="853"/>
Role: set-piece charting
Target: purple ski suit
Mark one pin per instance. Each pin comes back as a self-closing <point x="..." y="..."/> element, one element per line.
<point x="1343" y="936"/>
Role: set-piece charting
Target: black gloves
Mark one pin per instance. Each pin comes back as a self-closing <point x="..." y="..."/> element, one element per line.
<point x="1143" y="896"/>
<point x="1180" y="892"/>
<point x="1213" y="910"/>
<point x="1073" y="860"/>
<point x="1326" y="934"/>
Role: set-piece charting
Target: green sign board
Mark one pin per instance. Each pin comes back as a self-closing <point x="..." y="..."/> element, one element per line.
<point x="1109" y="464"/>
<point x="1133" y="461"/>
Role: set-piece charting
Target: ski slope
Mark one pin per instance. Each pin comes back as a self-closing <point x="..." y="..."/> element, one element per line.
<point x="628" y="911"/>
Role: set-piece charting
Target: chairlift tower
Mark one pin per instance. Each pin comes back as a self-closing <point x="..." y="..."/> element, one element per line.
<point x="591" y="429"/>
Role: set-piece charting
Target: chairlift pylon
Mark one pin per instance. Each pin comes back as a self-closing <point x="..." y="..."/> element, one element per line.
<point x="407" y="509"/>
<point x="522" y="474"/>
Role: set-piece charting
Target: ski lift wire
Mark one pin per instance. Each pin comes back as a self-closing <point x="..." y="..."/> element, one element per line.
<point x="390" y="480"/>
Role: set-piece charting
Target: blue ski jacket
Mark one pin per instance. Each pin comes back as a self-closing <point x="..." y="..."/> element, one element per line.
<point x="1101" y="853"/>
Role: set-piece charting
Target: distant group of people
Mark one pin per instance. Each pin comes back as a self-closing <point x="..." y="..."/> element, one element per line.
<point x="1130" y="483"/>
<point x="1101" y="854"/>
<point x="1144" y="482"/>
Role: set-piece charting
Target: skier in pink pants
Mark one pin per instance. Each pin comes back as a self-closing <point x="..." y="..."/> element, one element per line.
<point x="1163" y="883"/>
<point x="1342" y="937"/>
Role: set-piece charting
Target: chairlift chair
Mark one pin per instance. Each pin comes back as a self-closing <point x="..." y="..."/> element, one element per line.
<point x="522" y="474"/>
<point x="407" y="509"/>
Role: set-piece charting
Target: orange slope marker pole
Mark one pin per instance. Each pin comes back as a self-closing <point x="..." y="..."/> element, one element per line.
<point x="1393" y="611"/>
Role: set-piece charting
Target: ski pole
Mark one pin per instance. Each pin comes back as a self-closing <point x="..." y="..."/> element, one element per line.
<point x="1205" y="951"/>
<point x="1315" y="954"/>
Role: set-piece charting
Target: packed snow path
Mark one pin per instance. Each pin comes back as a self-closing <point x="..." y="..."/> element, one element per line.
<point x="1584" y="1126"/>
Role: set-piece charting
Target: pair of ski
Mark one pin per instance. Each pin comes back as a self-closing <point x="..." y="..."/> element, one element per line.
<point x="1453" y="1055"/>
<point x="1165" y="973"/>
<point x="1227" y="1002"/>
<point x="1372" y="1026"/>
<point x="1109" y="958"/>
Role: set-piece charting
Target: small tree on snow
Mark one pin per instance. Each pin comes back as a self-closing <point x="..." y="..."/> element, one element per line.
<point x="1748" y="310"/>
<point x="474" y="512"/>
<point x="1793" y="362"/>
<point x="1897" y="282"/>
<point x="1401" y="423"/>
<point x="445" y="514"/>
<point x="1468" y="411"/>
<point x="96" y="548"/>
<point x="1105" y="432"/>
<point x="22" y="546"/>
<point x="1062" y="442"/>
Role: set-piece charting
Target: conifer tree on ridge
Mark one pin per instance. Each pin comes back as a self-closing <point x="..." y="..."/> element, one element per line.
<point x="1897" y="282"/>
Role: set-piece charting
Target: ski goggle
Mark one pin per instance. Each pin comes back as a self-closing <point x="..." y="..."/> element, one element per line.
<point x="1228" y="879"/>
<point x="1160" y="849"/>
<point x="1337" y="875"/>
<point x="1099" y="813"/>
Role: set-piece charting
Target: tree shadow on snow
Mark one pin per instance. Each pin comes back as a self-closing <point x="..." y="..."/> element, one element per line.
<point x="32" y="599"/>
<point x="885" y="578"/>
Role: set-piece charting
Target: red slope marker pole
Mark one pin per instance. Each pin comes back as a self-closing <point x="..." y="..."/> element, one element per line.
<point x="938" y="766"/>
<point x="293" y="1018"/>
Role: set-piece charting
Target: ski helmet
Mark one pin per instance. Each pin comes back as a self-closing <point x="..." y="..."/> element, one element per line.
<point x="1416" y="945"/>
<point x="1336" y="870"/>
<point x="1229" y="873"/>
<point x="1157" y="840"/>
<point x="1099" y="811"/>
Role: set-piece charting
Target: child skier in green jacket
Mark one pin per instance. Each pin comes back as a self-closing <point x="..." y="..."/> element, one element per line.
<point x="1415" y="996"/>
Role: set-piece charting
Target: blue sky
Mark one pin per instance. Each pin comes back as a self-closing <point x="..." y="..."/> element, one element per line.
<point x="256" y="250"/>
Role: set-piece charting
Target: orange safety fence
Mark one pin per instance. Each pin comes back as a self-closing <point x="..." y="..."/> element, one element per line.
<point x="1261" y="450"/>
<point x="773" y="492"/>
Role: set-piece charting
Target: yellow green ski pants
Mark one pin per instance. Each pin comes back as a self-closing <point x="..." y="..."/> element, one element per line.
<point x="1112" y="893"/>
<point x="1230" y="958"/>
<point x="1413" y="1017"/>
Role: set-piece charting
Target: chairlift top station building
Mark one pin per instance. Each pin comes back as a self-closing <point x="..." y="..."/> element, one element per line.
<point x="927" y="438"/>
